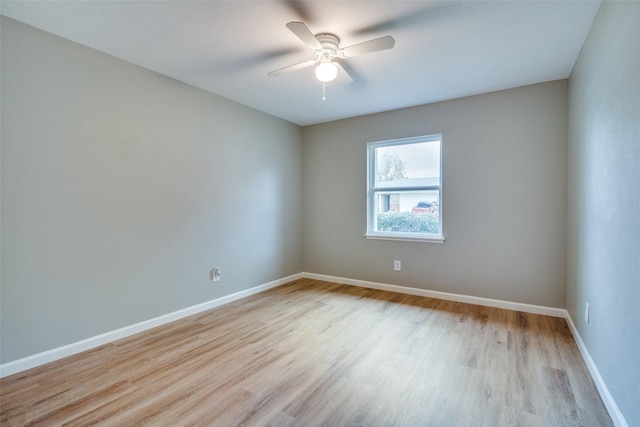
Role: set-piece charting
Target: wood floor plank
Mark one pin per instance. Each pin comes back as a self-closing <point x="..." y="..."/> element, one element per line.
<point x="320" y="353"/>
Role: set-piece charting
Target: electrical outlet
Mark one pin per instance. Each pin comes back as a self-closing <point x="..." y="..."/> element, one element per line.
<point x="216" y="274"/>
<point x="587" y="312"/>
<point x="397" y="265"/>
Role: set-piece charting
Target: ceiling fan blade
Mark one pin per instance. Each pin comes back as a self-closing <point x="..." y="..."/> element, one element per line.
<point x="294" y="67"/>
<point x="432" y="12"/>
<point x="382" y="43"/>
<point x="343" y="75"/>
<point x="304" y="33"/>
<point x="359" y="80"/>
<point x="249" y="61"/>
<point x="300" y="8"/>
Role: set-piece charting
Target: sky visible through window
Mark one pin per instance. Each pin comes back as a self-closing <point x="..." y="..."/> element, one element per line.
<point x="421" y="160"/>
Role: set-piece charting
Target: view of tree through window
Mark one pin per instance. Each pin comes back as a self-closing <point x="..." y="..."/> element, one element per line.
<point x="404" y="188"/>
<point x="391" y="167"/>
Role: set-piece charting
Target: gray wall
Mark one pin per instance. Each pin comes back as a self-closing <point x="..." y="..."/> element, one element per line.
<point x="122" y="188"/>
<point x="504" y="197"/>
<point x="604" y="200"/>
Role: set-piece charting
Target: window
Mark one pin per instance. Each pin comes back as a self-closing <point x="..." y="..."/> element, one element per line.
<point x="404" y="189"/>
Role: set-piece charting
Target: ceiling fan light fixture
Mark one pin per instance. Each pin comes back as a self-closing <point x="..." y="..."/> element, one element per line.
<point x="326" y="71"/>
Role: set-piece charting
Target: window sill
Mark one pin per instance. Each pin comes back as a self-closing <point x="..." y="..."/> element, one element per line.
<point x="405" y="238"/>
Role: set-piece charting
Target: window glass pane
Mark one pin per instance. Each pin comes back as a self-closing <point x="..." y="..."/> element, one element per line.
<point x="411" y="201"/>
<point x="408" y="212"/>
<point x="408" y="165"/>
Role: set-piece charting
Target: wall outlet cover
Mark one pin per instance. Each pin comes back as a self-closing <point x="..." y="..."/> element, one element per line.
<point x="587" y="312"/>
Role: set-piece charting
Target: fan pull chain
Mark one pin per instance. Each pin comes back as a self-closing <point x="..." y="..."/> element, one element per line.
<point x="324" y="91"/>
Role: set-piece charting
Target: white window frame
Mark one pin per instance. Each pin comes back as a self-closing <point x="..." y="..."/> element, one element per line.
<point x="372" y="191"/>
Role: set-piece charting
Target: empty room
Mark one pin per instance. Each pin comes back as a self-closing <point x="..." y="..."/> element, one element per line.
<point x="298" y="213"/>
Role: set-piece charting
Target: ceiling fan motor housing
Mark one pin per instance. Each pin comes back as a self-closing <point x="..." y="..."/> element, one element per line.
<point x="330" y="43"/>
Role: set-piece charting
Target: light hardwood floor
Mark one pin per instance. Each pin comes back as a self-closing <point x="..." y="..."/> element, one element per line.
<point x="318" y="353"/>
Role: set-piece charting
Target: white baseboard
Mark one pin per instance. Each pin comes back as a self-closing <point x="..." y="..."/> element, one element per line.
<point x="35" y="360"/>
<point x="38" y="359"/>
<point x="488" y="302"/>
<point x="609" y="402"/>
<point x="612" y="407"/>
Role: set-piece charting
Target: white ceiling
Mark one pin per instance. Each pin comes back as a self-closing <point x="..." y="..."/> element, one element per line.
<point x="443" y="50"/>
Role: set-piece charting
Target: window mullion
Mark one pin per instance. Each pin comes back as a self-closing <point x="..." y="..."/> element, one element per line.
<point x="405" y="189"/>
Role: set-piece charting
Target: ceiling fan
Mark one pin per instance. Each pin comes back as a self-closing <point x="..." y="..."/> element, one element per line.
<point x="327" y="52"/>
